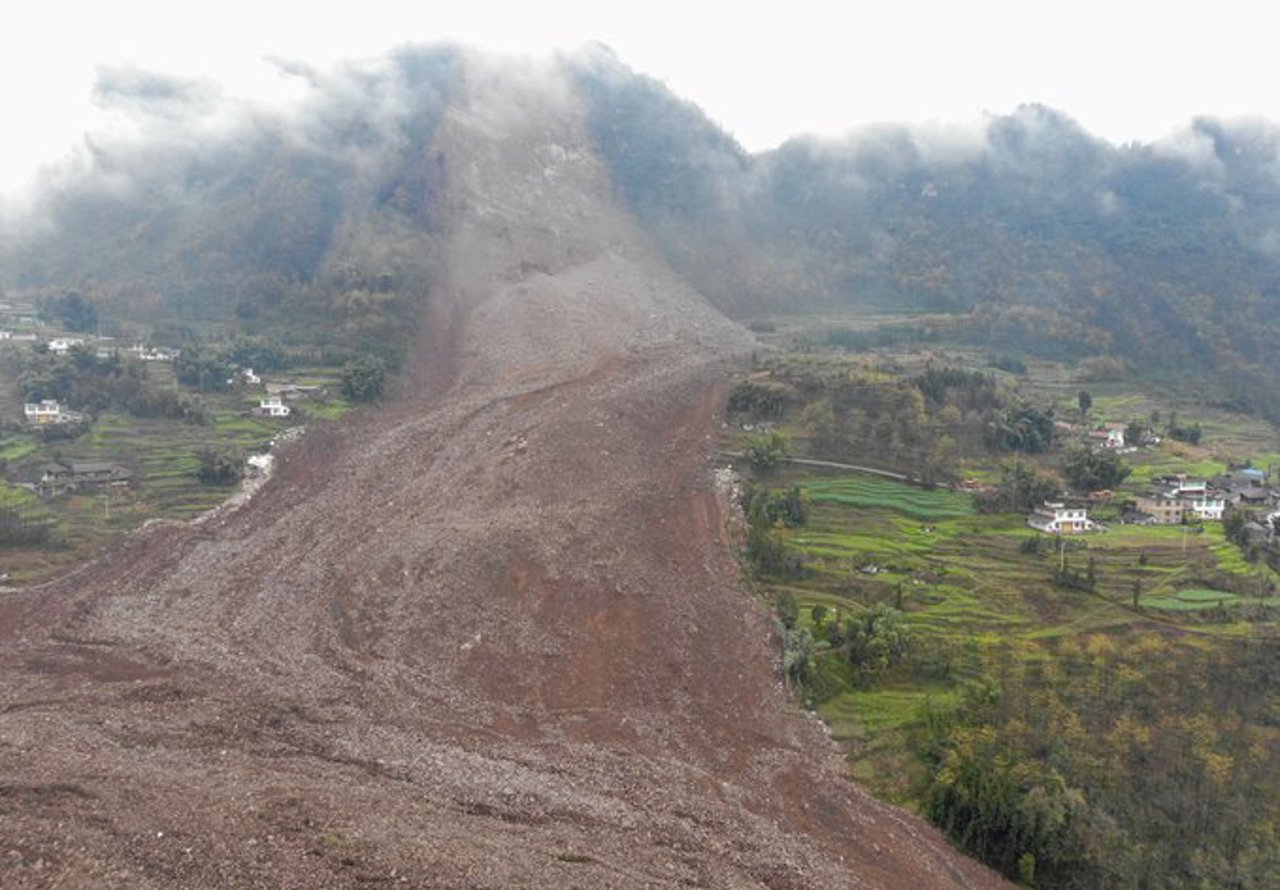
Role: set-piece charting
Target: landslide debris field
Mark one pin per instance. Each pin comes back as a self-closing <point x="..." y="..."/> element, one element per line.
<point x="488" y="636"/>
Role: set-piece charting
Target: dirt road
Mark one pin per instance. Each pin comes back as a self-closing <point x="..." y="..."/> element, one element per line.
<point x="488" y="636"/>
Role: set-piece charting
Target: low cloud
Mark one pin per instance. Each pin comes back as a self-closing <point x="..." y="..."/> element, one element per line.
<point x="155" y="134"/>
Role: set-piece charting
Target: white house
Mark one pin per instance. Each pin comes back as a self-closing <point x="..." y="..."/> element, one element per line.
<point x="1206" y="507"/>
<point x="273" y="406"/>
<point x="1190" y="488"/>
<point x="44" y="411"/>
<point x="1058" y="519"/>
<point x="250" y="378"/>
<point x="154" y="354"/>
<point x="63" y="345"/>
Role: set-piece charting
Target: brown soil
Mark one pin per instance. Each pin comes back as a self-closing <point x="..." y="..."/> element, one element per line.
<point x="490" y="636"/>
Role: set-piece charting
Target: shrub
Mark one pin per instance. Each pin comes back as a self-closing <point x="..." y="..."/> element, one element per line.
<point x="219" y="467"/>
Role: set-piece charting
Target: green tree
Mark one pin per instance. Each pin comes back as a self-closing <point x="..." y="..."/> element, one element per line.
<point x="1135" y="432"/>
<point x="819" y="418"/>
<point x="766" y="450"/>
<point x="1089" y="470"/>
<point x="787" y="608"/>
<point x="364" y="379"/>
<point x="1085" y="401"/>
<point x="1021" y="488"/>
<point x="1023" y="428"/>
<point x="766" y="553"/>
<point x="73" y="310"/>
<point x="207" y="373"/>
<point x="797" y="653"/>
<point x="877" y="640"/>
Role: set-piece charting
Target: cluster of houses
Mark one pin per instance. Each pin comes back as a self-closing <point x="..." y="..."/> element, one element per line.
<point x="1175" y="499"/>
<point x="1169" y="500"/>
<point x="64" y="345"/>
<point x="50" y="411"/>
<point x="59" y="477"/>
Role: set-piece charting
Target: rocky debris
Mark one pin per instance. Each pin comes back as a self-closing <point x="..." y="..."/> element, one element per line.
<point x="490" y="636"/>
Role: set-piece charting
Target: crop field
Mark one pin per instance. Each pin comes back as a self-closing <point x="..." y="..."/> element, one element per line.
<point x="1190" y="600"/>
<point x="162" y="455"/>
<point x="871" y="491"/>
<point x="967" y="585"/>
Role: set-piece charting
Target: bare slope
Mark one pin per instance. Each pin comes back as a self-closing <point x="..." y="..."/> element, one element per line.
<point x="489" y="637"/>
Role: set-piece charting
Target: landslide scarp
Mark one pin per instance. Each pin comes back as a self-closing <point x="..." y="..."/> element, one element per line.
<point x="488" y="636"/>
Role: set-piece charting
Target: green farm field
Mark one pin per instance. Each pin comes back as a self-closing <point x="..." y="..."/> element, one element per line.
<point x="163" y="456"/>
<point x="967" y="587"/>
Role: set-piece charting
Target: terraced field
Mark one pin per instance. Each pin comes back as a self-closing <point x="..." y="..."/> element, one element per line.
<point x="968" y="586"/>
<point x="163" y="456"/>
<point x="871" y="491"/>
<point x="1190" y="600"/>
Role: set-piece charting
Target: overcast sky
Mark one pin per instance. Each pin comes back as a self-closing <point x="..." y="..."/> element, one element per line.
<point x="1125" y="70"/>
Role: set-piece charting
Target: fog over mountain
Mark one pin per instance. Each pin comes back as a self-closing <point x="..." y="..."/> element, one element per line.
<point x="1022" y="226"/>
<point x="212" y="200"/>
<point x="1026" y="228"/>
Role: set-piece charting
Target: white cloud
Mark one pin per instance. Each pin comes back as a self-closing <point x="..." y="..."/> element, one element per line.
<point x="1125" y="71"/>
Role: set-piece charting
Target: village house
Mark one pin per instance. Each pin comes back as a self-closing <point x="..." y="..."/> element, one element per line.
<point x="1110" y="436"/>
<point x="63" y="345"/>
<point x="1246" y="488"/>
<point x="48" y="411"/>
<point x="153" y="353"/>
<point x="1058" y="519"/>
<point x="1159" y="508"/>
<point x="1176" y="498"/>
<point x="59" y="477"/>
<point x="1208" y="507"/>
<point x="272" y="406"/>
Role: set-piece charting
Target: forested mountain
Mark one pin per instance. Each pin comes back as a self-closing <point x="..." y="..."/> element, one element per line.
<point x="204" y="208"/>
<point x="1027" y="229"/>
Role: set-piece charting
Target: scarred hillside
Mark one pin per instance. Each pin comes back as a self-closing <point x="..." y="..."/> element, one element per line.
<point x="489" y="636"/>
